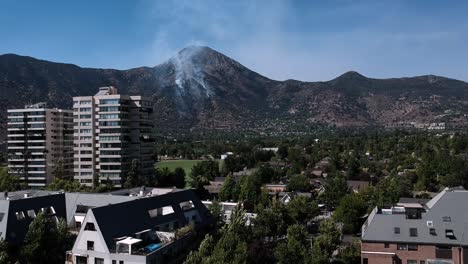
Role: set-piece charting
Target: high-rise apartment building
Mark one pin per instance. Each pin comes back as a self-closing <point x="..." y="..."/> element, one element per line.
<point x="40" y="144"/>
<point x="110" y="132"/>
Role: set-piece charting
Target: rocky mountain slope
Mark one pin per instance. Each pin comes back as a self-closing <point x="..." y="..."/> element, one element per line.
<point x="201" y="89"/>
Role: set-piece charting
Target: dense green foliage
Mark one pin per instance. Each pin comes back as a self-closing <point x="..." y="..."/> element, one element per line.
<point x="46" y="241"/>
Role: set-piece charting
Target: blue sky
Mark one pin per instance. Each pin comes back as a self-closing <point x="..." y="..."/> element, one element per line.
<point x="305" y="40"/>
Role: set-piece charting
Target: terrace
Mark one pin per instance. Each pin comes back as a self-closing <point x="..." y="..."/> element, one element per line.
<point x="149" y="241"/>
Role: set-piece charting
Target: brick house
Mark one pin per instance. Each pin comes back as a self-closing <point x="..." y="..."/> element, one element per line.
<point x="435" y="232"/>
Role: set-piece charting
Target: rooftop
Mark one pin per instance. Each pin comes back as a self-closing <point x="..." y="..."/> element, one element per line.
<point x="442" y="220"/>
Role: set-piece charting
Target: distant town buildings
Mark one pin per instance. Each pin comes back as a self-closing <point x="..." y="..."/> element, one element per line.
<point x="39" y="142"/>
<point x="418" y="232"/>
<point x="111" y="131"/>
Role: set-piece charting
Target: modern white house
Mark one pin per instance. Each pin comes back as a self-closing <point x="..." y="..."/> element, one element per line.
<point x="155" y="229"/>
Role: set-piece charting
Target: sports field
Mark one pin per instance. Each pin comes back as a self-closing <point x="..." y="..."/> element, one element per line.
<point x="172" y="164"/>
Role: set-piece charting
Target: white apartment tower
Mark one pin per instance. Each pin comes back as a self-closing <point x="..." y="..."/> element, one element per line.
<point x="110" y="131"/>
<point x="40" y="144"/>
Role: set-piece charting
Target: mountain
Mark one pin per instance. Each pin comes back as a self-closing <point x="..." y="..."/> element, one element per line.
<point x="202" y="89"/>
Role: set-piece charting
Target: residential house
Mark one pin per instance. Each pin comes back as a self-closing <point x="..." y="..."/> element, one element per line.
<point x="150" y="230"/>
<point x="434" y="232"/>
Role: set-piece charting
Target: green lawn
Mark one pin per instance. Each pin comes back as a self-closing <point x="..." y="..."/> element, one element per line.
<point x="172" y="164"/>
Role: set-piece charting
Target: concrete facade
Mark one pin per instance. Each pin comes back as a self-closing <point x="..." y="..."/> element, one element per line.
<point x="39" y="139"/>
<point x="110" y="131"/>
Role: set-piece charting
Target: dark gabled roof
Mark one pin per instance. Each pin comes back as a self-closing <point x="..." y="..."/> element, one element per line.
<point x="127" y="218"/>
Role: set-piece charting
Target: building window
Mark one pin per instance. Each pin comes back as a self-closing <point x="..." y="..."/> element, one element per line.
<point x="432" y="231"/>
<point x="413" y="232"/>
<point x="90" y="245"/>
<point x="397" y="230"/>
<point x="90" y="227"/>
<point x="449" y="234"/>
<point x="365" y="261"/>
<point x="422" y="262"/>
<point x="98" y="261"/>
<point x="412" y="247"/>
<point x="81" y="260"/>
<point x="402" y="246"/>
<point x="410" y="261"/>
<point x="121" y="262"/>
<point x="31" y="214"/>
<point x="19" y="215"/>
<point x="443" y="252"/>
<point x="386" y="245"/>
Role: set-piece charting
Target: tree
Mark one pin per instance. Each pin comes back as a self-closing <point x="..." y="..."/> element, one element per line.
<point x="299" y="183"/>
<point x="282" y="151"/>
<point x="5" y="257"/>
<point x="203" y="252"/>
<point x="326" y="243"/>
<point x="8" y="183"/>
<point x="335" y="189"/>
<point x="217" y="212"/>
<point x="227" y="191"/>
<point x="67" y="185"/>
<point x="133" y="175"/>
<point x="272" y="222"/>
<point x="350" y="254"/>
<point x="302" y="209"/>
<point x="295" y="250"/>
<point x="250" y="190"/>
<point x="45" y="241"/>
<point x="179" y="177"/>
<point x="230" y="248"/>
<point x="207" y="169"/>
<point x="350" y="212"/>
<point x="58" y="170"/>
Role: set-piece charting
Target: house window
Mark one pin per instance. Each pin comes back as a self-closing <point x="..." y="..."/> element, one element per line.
<point x="20" y="215"/>
<point x="397" y="230"/>
<point x="365" y="261"/>
<point x="412" y="247"/>
<point x="90" y="245"/>
<point x="386" y="245"/>
<point x="413" y="232"/>
<point x="114" y="261"/>
<point x="98" y="261"/>
<point x="402" y="246"/>
<point x="48" y="210"/>
<point x="422" y="262"/>
<point x="81" y="260"/>
<point x="121" y="262"/>
<point x="90" y="226"/>
<point x="449" y="234"/>
<point x="410" y="261"/>
<point x="432" y="231"/>
<point x="31" y="214"/>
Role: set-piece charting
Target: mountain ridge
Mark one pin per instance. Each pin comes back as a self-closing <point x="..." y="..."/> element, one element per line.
<point x="201" y="89"/>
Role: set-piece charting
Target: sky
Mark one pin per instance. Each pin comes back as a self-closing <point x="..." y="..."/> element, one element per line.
<point x="304" y="40"/>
